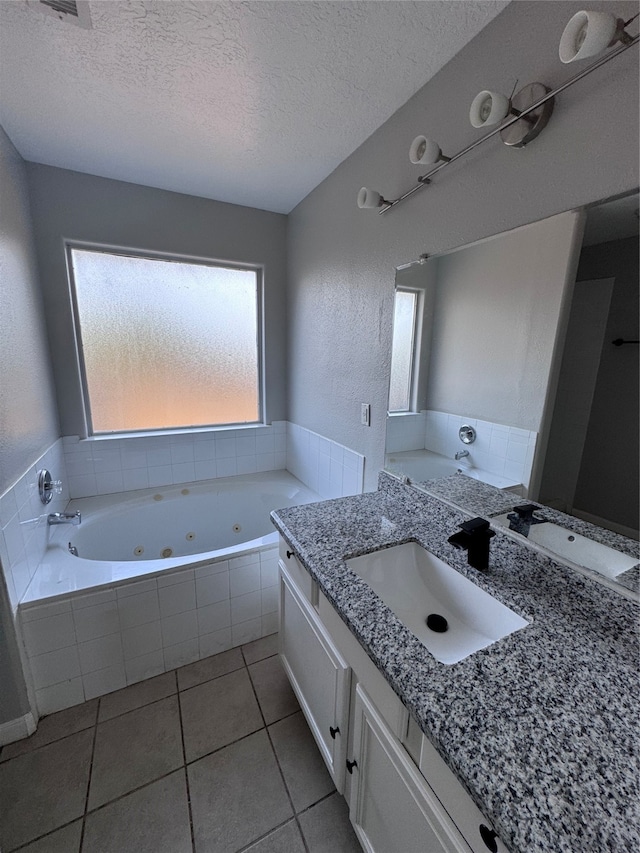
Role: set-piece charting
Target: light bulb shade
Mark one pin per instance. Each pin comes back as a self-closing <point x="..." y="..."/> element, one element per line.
<point x="587" y="34"/>
<point x="488" y="108"/>
<point x="368" y="199"/>
<point x="424" y="151"/>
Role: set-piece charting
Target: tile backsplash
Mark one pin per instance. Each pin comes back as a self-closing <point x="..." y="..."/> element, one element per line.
<point x="323" y="465"/>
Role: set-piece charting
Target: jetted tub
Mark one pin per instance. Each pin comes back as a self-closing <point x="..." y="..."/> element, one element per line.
<point x="131" y="535"/>
<point x="422" y="465"/>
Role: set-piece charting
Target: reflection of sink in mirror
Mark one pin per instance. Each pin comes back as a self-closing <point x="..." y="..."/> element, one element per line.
<point x="414" y="584"/>
<point x="572" y="546"/>
<point x="422" y="465"/>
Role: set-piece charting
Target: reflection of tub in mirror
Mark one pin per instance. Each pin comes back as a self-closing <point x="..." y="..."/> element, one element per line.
<point x="500" y="311"/>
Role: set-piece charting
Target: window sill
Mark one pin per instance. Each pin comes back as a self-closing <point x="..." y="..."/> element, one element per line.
<point x="171" y="432"/>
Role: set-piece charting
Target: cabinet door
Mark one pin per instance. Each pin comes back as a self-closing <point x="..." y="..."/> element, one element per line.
<point x="392" y="807"/>
<point x="318" y="674"/>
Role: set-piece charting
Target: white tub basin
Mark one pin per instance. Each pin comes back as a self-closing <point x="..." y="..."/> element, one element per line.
<point x="414" y="584"/>
<point x="578" y="549"/>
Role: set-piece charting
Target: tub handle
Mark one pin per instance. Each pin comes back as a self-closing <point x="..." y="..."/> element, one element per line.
<point x="289" y="554"/>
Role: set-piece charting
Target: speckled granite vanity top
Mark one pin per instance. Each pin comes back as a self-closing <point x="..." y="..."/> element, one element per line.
<point x="540" y="727"/>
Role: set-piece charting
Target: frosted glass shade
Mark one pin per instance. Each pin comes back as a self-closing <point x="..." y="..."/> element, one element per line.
<point x="488" y="108"/>
<point x="424" y="151"/>
<point x="587" y="34"/>
<point x="166" y="344"/>
<point x="368" y="199"/>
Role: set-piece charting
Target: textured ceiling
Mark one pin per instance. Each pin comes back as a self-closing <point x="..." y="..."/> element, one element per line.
<point x="248" y="102"/>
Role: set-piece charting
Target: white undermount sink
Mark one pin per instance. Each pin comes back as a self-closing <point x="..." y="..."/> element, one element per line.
<point x="414" y="584"/>
<point x="578" y="549"/>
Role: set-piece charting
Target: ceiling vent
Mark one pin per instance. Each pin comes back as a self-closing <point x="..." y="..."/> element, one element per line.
<point x="72" y="11"/>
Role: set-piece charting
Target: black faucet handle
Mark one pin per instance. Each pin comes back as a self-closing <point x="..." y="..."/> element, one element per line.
<point x="477" y="525"/>
<point x="525" y="511"/>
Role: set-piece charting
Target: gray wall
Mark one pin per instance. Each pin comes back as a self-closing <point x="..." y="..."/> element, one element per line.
<point x="76" y="206"/>
<point x="608" y="480"/>
<point x="28" y="419"/>
<point x="342" y="260"/>
<point x="496" y="319"/>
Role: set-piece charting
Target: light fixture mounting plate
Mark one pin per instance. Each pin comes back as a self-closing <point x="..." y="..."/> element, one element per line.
<point x="525" y="130"/>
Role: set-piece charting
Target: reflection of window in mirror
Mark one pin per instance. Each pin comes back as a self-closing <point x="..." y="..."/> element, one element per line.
<point x="403" y="349"/>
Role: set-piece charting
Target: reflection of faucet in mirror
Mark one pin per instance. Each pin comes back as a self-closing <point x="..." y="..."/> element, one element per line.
<point x="522" y="518"/>
<point x="488" y="350"/>
<point x="460" y="454"/>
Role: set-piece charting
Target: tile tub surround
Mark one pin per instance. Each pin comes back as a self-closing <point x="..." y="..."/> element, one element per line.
<point x="102" y="466"/>
<point x="86" y="645"/>
<point x="108" y="465"/>
<point x="23" y="521"/>
<point x="541" y="727"/>
<point x="483" y="499"/>
<point x="146" y="772"/>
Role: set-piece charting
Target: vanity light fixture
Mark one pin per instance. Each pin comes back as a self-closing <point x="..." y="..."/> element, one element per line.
<point x="370" y="199"/>
<point x="521" y="118"/>
<point x="426" y="152"/>
<point x="589" y="33"/>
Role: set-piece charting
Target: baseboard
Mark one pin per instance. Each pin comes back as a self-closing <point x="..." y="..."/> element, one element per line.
<point x="17" y="729"/>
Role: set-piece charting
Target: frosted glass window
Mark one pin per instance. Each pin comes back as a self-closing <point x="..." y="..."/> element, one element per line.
<point x="402" y="349"/>
<point x="166" y="344"/>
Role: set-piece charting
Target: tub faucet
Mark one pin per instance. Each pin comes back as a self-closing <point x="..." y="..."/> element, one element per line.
<point x="64" y="518"/>
<point x="461" y="454"/>
<point x="474" y="537"/>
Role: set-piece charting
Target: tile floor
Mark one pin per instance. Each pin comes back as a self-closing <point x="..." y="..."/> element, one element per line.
<point x="215" y="757"/>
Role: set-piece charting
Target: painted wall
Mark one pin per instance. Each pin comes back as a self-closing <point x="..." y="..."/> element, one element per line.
<point x="496" y="319"/>
<point x="82" y="207"/>
<point x="608" y="480"/>
<point x="342" y="260"/>
<point x="28" y="419"/>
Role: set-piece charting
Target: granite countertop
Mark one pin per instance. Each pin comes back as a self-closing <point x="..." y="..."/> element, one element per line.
<point x="484" y="499"/>
<point x="541" y="727"/>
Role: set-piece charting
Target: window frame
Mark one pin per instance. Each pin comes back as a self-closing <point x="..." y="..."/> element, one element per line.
<point x="171" y="257"/>
<point x="416" y="332"/>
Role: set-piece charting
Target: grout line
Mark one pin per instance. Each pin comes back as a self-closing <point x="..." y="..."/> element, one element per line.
<point x="317" y="802"/>
<point x="275" y="755"/>
<point x="86" y="799"/>
<point x="186" y="774"/>
<point x="40" y="837"/>
<point x="260" y="838"/>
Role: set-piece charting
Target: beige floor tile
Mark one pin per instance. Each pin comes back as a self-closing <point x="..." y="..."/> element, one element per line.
<point x="154" y="819"/>
<point x="54" y="727"/>
<point x="237" y="795"/>
<point x="260" y="649"/>
<point x="327" y="829"/>
<point x="44" y="789"/>
<point x="272" y="687"/>
<point x="305" y="773"/>
<point x="208" y="668"/>
<point x="286" y="839"/>
<point x="137" y="695"/>
<point x="218" y="712"/>
<point x="134" y="749"/>
<point x="66" y="840"/>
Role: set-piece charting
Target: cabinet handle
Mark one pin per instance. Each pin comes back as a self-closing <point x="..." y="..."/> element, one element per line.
<point x="333" y="732"/>
<point x="351" y="765"/>
<point x="489" y="837"/>
<point x="289" y="555"/>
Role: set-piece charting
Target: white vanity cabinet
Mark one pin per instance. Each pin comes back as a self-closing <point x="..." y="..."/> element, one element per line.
<point x="401" y="794"/>
<point x="318" y="674"/>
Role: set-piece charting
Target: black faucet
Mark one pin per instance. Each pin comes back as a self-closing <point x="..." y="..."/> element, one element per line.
<point x="474" y="536"/>
<point x="522" y="518"/>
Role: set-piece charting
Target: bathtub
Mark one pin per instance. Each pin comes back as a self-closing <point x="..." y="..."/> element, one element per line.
<point x="132" y="535"/>
<point x="121" y="612"/>
<point x="422" y="465"/>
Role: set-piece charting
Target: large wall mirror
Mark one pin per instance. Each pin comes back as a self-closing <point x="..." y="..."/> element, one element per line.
<point x="530" y="337"/>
